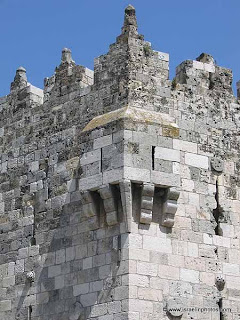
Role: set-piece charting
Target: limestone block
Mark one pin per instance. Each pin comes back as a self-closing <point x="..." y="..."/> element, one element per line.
<point x="198" y="65"/>
<point x="19" y="267"/>
<point x="163" y="179"/>
<point x="109" y="203"/>
<point x="185" y="146"/>
<point x="88" y="264"/>
<point x="33" y="251"/>
<point x="91" y="182"/>
<point x="163" y="56"/>
<point x="99" y="310"/>
<point x="165" y="142"/>
<point x="80" y="289"/>
<point x="114" y="307"/>
<point x="168" y="272"/>
<point x="232" y="282"/>
<point x="136" y="280"/>
<point x="54" y="271"/>
<point x="132" y="240"/>
<point x="146" y="203"/>
<point x="89" y="206"/>
<point x="144" y="138"/>
<point x="111" y="218"/>
<point x="8" y="282"/>
<point x="232" y="269"/>
<point x="150" y="294"/>
<point x="90" y="157"/>
<point x="143" y="305"/>
<point x="195" y="263"/>
<point x="126" y="199"/>
<point x="169" y="207"/>
<point x="34" y="166"/>
<point x="195" y="160"/>
<point x="139" y="254"/>
<point x="221" y="241"/>
<point x="189" y="275"/>
<point x="72" y="185"/>
<point x="157" y="244"/>
<point x="59" y="282"/>
<point x="207" y="278"/>
<point x="11" y="268"/>
<point x="167" y="154"/>
<point x="101" y="142"/>
<point x="209" y="67"/>
<point x="146" y="268"/>
<point x="136" y="174"/>
<point x="60" y="256"/>
<point x="5" y="305"/>
<point x="112" y="176"/>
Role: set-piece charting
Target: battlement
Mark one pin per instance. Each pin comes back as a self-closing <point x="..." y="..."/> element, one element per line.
<point x="127" y="67"/>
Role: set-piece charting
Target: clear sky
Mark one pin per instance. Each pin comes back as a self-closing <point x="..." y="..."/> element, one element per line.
<point x="33" y="32"/>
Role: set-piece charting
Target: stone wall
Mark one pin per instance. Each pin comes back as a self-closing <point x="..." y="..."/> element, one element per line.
<point x="119" y="189"/>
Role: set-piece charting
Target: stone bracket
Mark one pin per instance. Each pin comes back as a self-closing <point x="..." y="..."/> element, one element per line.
<point x="89" y="206"/>
<point x="169" y="207"/>
<point x="147" y="203"/>
<point x="109" y="196"/>
<point x="126" y="198"/>
<point x="110" y="207"/>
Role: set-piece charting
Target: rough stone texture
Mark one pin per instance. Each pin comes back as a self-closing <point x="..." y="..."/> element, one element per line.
<point x="119" y="189"/>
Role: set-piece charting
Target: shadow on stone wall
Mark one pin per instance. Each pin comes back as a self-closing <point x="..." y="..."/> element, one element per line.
<point x="79" y="266"/>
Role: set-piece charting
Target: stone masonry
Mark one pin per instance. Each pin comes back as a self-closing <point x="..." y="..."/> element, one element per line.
<point x="120" y="189"/>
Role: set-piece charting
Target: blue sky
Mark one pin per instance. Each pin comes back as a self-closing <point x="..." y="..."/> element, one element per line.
<point x="33" y="32"/>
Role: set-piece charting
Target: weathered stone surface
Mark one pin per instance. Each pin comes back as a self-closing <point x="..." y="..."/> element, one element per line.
<point x="119" y="189"/>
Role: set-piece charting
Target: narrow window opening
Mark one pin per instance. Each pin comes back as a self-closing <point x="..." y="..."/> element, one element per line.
<point x="220" y="309"/>
<point x="98" y="204"/>
<point x="30" y="313"/>
<point x="153" y="157"/>
<point x="101" y="164"/>
<point x="119" y="250"/>
<point x="217" y="213"/>
<point x="33" y="239"/>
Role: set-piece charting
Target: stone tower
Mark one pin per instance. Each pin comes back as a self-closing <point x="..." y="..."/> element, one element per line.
<point x="120" y="189"/>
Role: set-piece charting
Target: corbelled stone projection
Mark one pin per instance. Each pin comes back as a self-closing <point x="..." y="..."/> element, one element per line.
<point x="120" y="189"/>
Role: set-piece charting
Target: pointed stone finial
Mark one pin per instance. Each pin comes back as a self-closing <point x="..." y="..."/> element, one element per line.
<point x="130" y="9"/>
<point x="21" y="69"/>
<point x="21" y="74"/>
<point x="130" y="21"/>
<point x="66" y="56"/>
<point x="20" y="79"/>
